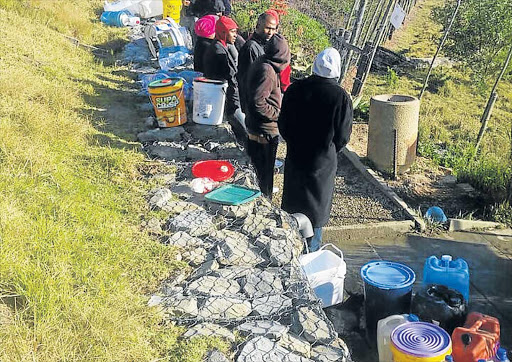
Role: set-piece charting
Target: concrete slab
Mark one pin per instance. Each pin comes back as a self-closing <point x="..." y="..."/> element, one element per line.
<point x="462" y="224"/>
<point x="489" y="257"/>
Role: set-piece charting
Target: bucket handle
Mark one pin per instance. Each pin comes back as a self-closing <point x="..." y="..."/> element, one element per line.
<point x="334" y="247"/>
<point x="323" y="247"/>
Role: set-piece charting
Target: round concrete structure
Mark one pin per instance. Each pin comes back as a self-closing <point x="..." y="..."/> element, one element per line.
<point x="389" y="112"/>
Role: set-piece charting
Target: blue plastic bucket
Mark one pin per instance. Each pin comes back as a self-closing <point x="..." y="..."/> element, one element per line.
<point x="387" y="291"/>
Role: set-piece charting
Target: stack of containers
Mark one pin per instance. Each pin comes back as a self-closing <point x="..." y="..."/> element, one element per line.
<point x="445" y="271"/>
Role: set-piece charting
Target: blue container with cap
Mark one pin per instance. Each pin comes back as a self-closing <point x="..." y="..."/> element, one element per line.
<point x="387" y="291"/>
<point x="445" y="271"/>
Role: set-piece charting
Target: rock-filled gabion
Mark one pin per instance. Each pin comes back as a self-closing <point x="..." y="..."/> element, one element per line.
<point x="246" y="284"/>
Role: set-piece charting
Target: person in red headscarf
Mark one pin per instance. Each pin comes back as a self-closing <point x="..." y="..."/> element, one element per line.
<point x="219" y="63"/>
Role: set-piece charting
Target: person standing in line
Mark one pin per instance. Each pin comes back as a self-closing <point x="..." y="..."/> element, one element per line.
<point x="253" y="48"/>
<point x="200" y="8"/>
<point x="205" y="31"/>
<point x="316" y="123"/>
<point x="263" y="90"/>
<point x="220" y="64"/>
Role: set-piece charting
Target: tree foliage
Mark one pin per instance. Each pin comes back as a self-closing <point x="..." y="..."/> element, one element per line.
<point x="481" y="34"/>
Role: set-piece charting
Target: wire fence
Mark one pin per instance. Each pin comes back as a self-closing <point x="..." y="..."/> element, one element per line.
<point x="246" y="284"/>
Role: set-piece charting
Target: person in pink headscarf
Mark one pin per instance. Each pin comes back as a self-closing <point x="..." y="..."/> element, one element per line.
<point x="205" y="31"/>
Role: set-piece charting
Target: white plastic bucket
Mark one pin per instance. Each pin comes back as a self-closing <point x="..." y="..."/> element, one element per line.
<point x="326" y="274"/>
<point x="209" y="99"/>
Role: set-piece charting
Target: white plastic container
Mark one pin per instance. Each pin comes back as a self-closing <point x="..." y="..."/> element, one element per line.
<point x="150" y="8"/>
<point x="384" y="328"/>
<point x="326" y="274"/>
<point x="209" y="99"/>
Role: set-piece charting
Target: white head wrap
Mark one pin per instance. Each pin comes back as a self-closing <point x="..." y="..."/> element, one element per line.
<point x="328" y="64"/>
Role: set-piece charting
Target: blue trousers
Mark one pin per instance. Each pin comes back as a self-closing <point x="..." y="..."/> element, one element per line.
<point x="315" y="242"/>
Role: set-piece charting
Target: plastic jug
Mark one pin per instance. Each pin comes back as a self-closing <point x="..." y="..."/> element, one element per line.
<point x="172" y="9"/>
<point x="478" y="339"/>
<point x="384" y="328"/>
<point x="445" y="271"/>
<point x="440" y="305"/>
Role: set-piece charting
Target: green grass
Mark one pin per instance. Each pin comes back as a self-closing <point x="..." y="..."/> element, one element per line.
<point x="76" y="269"/>
<point x="451" y="110"/>
<point x="306" y="36"/>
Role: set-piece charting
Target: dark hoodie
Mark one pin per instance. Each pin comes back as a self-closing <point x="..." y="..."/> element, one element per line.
<point x="263" y="89"/>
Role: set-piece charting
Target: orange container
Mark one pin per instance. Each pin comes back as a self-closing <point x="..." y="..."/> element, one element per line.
<point x="478" y="339"/>
<point x="168" y="100"/>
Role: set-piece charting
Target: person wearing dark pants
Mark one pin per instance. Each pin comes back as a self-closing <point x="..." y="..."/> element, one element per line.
<point x="263" y="90"/>
<point x="316" y="123"/>
<point x="262" y="151"/>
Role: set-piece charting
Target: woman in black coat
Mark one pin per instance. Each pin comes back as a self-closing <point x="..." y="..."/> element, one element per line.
<point x="220" y="64"/>
<point x="316" y="122"/>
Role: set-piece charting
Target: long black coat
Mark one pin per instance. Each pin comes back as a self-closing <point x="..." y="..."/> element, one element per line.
<point x="219" y="64"/>
<point x="202" y="45"/>
<point x="316" y="122"/>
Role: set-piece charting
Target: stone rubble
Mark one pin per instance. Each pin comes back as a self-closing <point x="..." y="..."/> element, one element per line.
<point x="244" y="283"/>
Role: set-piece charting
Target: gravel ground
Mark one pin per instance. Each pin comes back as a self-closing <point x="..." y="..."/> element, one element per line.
<point x="355" y="200"/>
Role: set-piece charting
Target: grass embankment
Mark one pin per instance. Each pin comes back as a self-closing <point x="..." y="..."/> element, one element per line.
<point x="75" y="266"/>
<point x="451" y="109"/>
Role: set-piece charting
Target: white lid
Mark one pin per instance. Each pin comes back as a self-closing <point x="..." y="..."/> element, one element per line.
<point x="446" y="258"/>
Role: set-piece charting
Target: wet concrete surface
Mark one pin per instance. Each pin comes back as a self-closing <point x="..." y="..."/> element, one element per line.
<point x="489" y="256"/>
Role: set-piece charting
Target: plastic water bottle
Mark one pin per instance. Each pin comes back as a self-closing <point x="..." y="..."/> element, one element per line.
<point x="173" y="60"/>
<point x="115" y="18"/>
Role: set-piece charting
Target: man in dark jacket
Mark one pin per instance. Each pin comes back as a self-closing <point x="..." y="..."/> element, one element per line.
<point x="253" y="48"/>
<point x="263" y="91"/>
<point x="316" y="123"/>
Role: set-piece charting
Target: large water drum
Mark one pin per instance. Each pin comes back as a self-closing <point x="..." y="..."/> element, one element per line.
<point x="393" y="132"/>
<point x="209" y="99"/>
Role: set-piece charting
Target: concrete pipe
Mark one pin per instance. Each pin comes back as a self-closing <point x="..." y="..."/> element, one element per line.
<point x="390" y="112"/>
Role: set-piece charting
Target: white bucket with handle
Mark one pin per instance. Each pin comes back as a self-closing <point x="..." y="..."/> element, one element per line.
<point x="325" y="271"/>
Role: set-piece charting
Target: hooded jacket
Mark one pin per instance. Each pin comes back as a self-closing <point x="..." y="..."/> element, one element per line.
<point x="263" y="88"/>
<point x="219" y="63"/>
<point x="316" y="123"/>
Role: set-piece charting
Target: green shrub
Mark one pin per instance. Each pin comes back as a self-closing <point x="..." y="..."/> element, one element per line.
<point x="306" y="36"/>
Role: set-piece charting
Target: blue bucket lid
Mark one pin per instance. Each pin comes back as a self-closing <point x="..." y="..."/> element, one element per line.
<point x="387" y="275"/>
<point x="420" y="339"/>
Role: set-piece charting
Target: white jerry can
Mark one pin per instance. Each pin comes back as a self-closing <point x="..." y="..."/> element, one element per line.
<point x="326" y="274"/>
